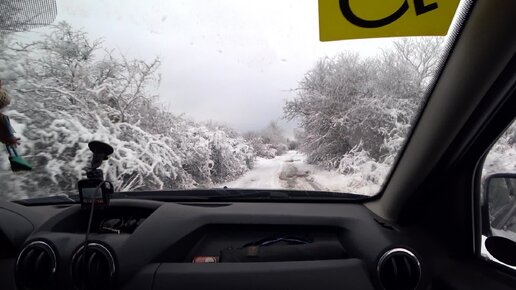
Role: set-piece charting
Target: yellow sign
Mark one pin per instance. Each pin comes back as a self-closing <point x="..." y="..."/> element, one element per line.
<point x="352" y="19"/>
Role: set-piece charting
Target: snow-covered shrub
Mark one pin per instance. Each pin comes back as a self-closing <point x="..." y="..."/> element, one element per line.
<point x="55" y="142"/>
<point x="357" y="162"/>
<point x="269" y="142"/>
<point x="69" y="97"/>
<point x="266" y="150"/>
<point x="355" y="113"/>
<point x="194" y="147"/>
<point x="228" y="161"/>
<point x="293" y="144"/>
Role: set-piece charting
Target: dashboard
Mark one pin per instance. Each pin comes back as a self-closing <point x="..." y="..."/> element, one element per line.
<point x="144" y="244"/>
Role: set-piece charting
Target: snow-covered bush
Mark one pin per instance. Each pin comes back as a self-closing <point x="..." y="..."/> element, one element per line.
<point x="227" y="159"/>
<point x="269" y="142"/>
<point x="357" y="162"/>
<point x="355" y="113"/>
<point x="66" y="92"/>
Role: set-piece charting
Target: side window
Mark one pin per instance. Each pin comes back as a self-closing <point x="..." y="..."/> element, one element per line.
<point x="499" y="200"/>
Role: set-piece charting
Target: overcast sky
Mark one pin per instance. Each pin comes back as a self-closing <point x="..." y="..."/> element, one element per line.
<point x="232" y="61"/>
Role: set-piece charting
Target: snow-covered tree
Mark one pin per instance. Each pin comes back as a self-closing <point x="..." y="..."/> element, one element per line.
<point x="68" y="90"/>
<point x="337" y="107"/>
<point x="269" y="142"/>
<point x="128" y="89"/>
<point x="355" y="112"/>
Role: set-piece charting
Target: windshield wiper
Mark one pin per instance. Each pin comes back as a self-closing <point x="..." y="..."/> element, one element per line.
<point x="241" y="195"/>
<point x="209" y="195"/>
<point x="46" y="200"/>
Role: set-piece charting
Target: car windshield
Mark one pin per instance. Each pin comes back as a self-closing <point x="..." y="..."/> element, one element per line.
<point x="202" y="94"/>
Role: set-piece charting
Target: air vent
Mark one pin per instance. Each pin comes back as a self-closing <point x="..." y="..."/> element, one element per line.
<point x="399" y="269"/>
<point x="96" y="271"/>
<point x="36" y="266"/>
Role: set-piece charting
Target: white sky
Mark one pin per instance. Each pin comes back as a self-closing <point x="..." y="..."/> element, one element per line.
<point x="231" y="61"/>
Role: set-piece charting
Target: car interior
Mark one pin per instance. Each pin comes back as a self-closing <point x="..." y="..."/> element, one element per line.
<point x="423" y="231"/>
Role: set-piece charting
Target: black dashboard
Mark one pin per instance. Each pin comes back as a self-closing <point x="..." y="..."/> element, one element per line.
<point x="143" y="244"/>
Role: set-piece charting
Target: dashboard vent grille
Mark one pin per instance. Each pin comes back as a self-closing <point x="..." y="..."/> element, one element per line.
<point x="95" y="270"/>
<point x="36" y="266"/>
<point x="399" y="269"/>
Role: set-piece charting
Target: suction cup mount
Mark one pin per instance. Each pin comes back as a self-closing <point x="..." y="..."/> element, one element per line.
<point x="101" y="152"/>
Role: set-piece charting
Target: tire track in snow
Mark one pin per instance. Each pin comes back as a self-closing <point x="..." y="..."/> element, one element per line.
<point x="281" y="172"/>
<point x="298" y="179"/>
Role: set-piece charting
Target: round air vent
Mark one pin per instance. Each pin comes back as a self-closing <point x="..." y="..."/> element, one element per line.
<point x="95" y="270"/>
<point x="399" y="269"/>
<point x="36" y="266"/>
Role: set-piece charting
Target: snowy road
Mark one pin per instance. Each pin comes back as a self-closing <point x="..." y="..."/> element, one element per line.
<point x="268" y="173"/>
<point x="290" y="171"/>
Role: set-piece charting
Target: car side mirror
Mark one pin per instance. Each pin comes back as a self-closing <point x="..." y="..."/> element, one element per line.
<point x="500" y="194"/>
<point x="500" y="210"/>
<point x="503" y="249"/>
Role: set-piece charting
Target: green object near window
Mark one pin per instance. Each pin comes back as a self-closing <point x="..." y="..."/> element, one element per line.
<point x="19" y="164"/>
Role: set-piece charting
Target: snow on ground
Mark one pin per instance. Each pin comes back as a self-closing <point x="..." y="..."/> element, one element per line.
<point x="264" y="175"/>
<point x="290" y="171"/>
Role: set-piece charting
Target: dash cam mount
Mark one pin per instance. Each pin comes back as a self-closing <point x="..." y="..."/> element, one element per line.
<point x="101" y="152"/>
<point x="94" y="190"/>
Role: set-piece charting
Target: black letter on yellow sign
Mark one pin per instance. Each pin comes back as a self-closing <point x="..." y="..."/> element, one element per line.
<point x="419" y="6"/>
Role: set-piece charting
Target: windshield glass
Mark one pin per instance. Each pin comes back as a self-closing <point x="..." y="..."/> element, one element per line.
<point x="204" y="94"/>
